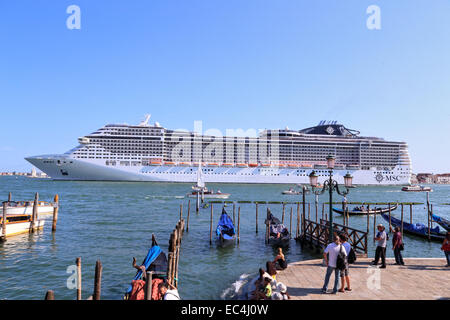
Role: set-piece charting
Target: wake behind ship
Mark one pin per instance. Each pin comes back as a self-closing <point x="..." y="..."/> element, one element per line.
<point x="144" y="152"/>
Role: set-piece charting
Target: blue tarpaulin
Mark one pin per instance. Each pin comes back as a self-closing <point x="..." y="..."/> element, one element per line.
<point x="225" y="226"/>
<point x="152" y="254"/>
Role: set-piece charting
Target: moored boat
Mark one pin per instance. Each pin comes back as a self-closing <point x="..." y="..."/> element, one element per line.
<point x="417" y="229"/>
<point x="278" y="234"/>
<point x="17" y="224"/>
<point x="26" y="208"/>
<point x="363" y="210"/>
<point x="444" y="223"/>
<point x="156" y="262"/>
<point x="225" y="231"/>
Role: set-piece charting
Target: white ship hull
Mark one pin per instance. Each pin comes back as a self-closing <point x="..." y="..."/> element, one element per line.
<point x="96" y="170"/>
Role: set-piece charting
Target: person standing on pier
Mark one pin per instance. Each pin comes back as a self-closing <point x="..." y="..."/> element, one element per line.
<point x="397" y="246"/>
<point x="446" y="247"/>
<point x="380" y="252"/>
<point x="345" y="278"/>
<point x="333" y="250"/>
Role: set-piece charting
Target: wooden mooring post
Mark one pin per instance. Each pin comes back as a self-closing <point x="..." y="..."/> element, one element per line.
<point x="290" y="224"/>
<point x="410" y="212"/>
<point x="211" y="225"/>
<point x="282" y="216"/>
<point x="9" y="197"/>
<point x="55" y="212"/>
<point x="234" y="213"/>
<point x="35" y="213"/>
<point x="402" y="219"/>
<point x="390" y="224"/>
<point x="239" y="225"/>
<point x="50" y="295"/>
<point x="297" y="230"/>
<point x="97" y="281"/>
<point x="148" y="285"/>
<point x="174" y="253"/>
<point x="78" y="264"/>
<point x="188" y="215"/>
<point x="256" y="217"/>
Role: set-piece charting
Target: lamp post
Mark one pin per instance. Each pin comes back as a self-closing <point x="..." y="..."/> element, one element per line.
<point x="330" y="185"/>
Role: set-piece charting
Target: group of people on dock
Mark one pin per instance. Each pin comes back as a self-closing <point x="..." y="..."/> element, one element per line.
<point x="266" y="286"/>
<point x="339" y="254"/>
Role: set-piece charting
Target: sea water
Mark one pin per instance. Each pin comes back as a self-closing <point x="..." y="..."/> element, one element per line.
<point x="113" y="222"/>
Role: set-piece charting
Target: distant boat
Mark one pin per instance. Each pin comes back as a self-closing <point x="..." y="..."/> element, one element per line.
<point x="278" y="233"/>
<point x="291" y="192"/>
<point x="358" y="211"/>
<point x="26" y="208"/>
<point x="202" y="191"/>
<point x="225" y="231"/>
<point x="444" y="223"/>
<point x="417" y="189"/>
<point x="417" y="229"/>
<point x="17" y="224"/>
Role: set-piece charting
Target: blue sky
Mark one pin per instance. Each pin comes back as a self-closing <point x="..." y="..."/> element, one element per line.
<point x="230" y="63"/>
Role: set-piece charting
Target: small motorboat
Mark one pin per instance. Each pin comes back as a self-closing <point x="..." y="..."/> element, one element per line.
<point x="200" y="189"/>
<point x="291" y="192"/>
<point x="417" y="189"/>
<point x="278" y="233"/>
<point x="363" y="210"/>
<point x="26" y="208"/>
<point x="416" y="229"/>
<point x="444" y="223"/>
<point x="208" y="194"/>
<point x="21" y="223"/>
<point x="225" y="231"/>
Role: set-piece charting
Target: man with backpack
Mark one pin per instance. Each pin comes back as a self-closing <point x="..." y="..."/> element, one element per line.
<point x="335" y="261"/>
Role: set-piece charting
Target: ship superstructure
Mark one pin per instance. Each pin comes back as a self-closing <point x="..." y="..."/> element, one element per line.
<point x="150" y="152"/>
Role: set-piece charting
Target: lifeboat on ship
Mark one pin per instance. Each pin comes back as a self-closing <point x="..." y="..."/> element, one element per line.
<point x="242" y="165"/>
<point x="169" y="163"/>
<point x="213" y="164"/>
<point x="252" y="165"/>
<point x="228" y="165"/>
<point x="185" y="164"/>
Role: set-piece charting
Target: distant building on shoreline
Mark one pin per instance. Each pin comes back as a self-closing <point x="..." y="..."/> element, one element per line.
<point x="32" y="174"/>
<point x="429" y="178"/>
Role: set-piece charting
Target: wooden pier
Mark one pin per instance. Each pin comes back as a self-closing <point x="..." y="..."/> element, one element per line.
<point x="419" y="279"/>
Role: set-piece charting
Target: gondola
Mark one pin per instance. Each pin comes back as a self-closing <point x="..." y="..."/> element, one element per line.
<point x="444" y="223"/>
<point x="225" y="231"/>
<point x="357" y="211"/>
<point x="278" y="233"/>
<point x="416" y="229"/>
<point x="156" y="261"/>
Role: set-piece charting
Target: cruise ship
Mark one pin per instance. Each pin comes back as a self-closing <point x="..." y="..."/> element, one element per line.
<point x="150" y="152"/>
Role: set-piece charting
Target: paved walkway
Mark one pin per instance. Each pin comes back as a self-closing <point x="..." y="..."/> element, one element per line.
<point x="419" y="279"/>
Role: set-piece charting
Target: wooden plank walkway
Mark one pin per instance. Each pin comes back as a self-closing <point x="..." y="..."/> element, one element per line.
<point x="419" y="279"/>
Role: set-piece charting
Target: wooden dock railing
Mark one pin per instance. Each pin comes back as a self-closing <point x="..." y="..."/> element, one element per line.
<point x="316" y="234"/>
